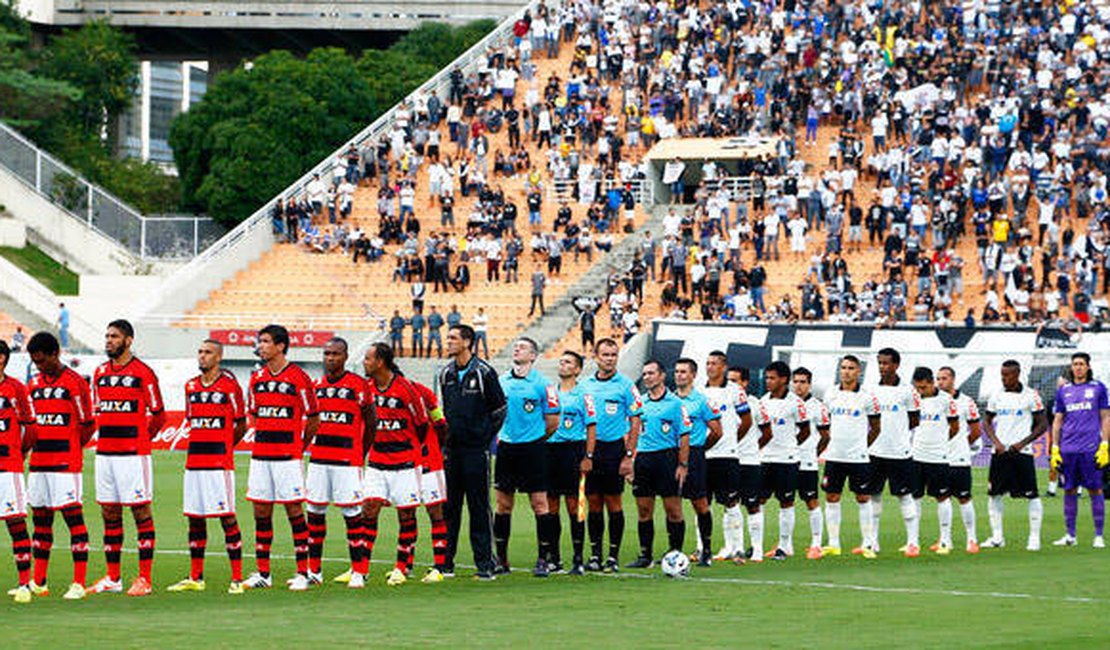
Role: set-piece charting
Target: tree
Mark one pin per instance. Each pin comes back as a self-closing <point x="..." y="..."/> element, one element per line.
<point x="259" y="129"/>
<point x="26" y="96"/>
<point x="99" y="60"/>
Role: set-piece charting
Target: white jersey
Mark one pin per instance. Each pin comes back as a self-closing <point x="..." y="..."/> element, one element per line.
<point x="731" y="402"/>
<point x="897" y="402"/>
<point x="818" y="419"/>
<point x="784" y="416"/>
<point x="930" y="438"/>
<point x="959" y="451"/>
<point x="747" y="450"/>
<point x="1013" y="415"/>
<point x="849" y="411"/>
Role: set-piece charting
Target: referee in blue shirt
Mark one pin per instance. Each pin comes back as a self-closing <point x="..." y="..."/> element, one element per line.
<point x="532" y="416"/>
<point x="609" y="460"/>
<point x="661" y="462"/>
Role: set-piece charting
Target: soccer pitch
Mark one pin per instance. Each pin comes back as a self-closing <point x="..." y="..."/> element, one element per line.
<point x="1006" y="597"/>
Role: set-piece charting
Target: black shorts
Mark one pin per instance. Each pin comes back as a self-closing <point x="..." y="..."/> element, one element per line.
<point x="1013" y="473"/>
<point x="751" y="481"/>
<point x="858" y="476"/>
<point x="807" y="484"/>
<point x="695" y="485"/>
<point x="654" y="474"/>
<point x="722" y="480"/>
<point x="959" y="482"/>
<point x="521" y="467"/>
<point x="564" y="461"/>
<point x="779" y="479"/>
<point x="606" y="475"/>
<point x="931" y="479"/>
<point x="898" y="471"/>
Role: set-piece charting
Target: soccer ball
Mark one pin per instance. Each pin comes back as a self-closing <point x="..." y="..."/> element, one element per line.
<point x="675" y="564"/>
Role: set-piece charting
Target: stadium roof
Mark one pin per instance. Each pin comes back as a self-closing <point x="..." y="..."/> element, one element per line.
<point x="713" y="148"/>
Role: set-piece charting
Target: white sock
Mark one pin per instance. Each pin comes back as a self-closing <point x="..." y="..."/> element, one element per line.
<point x="876" y="513"/>
<point x="866" y="518"/>
<point x="786" y="529"/>
<point x="910" y="516"/>
<point x="816" y="526"/>
<point x="967" y="512"/>
<point x="994" y="513"/>
<point x="1036" y="515"/>
<point x="1052" y="488"/>
<point x="732" y="522"/>
<point x="944" y="515"/>
<point x="832" y="521"/>
<point x="755" y="532"/>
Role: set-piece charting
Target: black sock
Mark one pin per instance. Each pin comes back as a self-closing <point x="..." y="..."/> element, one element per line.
<point x="554" y="534"/>
<point x="595" y="521"/>
<point x="616" y="533"/>
<point x="705" y="529"/>
<point x="647" y="538"/>
<point x="577" y="538"/>
<point x="542" y="532"/>
<point x="676" y="534"/>
<point x="502" y="524"/>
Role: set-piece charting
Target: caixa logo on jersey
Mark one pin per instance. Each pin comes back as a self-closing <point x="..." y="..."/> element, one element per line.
<point x="336" y="417"/>
<point x="117" y="406"/>
<point x="275" y="412"/>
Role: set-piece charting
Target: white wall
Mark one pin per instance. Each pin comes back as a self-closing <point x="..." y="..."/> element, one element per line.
<point x="40" y="301"/>
<point x="13" y="233"/>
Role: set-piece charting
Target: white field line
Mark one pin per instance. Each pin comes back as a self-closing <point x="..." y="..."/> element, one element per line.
<point x="788" y="584"/>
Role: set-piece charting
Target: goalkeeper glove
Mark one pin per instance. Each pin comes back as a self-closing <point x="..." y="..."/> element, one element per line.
<point x="1102" y="456"/>
<point x="1056" y="460"/>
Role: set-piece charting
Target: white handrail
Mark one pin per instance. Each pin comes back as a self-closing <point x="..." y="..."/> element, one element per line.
<point x="261" y="218"/>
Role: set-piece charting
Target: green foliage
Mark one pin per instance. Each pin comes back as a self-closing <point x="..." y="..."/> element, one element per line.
<point x="26" y="97"/>
<point x="258" y="130"/>
<point x="43" y="268"/>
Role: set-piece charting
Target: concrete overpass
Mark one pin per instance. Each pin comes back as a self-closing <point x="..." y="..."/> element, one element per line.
<point x="223" y="30"/>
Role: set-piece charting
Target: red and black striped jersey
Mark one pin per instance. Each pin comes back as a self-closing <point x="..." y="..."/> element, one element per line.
<point x="122" y="397"/>
<point x="401" y="417"/>
<point x="211" y="412"/>
<point x="338" y="441"/>
<point x="15" y="412"/>
<point x="61" y="404"/>
<point x="433" y="459"/>
<point x="279" y="404"/>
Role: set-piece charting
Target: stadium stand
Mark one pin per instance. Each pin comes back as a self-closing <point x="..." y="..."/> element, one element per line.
<point x="9" y="328"/>
<point x="932" y="182"/>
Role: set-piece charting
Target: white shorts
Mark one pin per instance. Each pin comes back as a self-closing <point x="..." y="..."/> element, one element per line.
<point x="397" y="487"/>
<point x="209" y="493"/>
<point x="123" y="480"/>
<point x="433" y="487"/>
<point x="275" y="481"/>
<point x="13" y="495"/>
<point x="55" y="490"/>
<point x="334" y="484"/>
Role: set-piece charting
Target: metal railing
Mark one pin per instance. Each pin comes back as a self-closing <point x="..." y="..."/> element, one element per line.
<point x="260" y="223"/>
<point x="168" y="238"/>
<point x="643" y="190"/>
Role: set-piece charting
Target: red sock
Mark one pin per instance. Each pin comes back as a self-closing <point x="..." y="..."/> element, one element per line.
<point x="233" y="540"/>
<point x="317" y="533"/>
<point x="198" y="543"/>
<point x="21" y="547"/>
<point x="439" y="543"/>
<point x="42" y="541"/>
<point x="145" y="529"/>
<point x="300" y="542"/>
<point x="113" y="545"/>
<point x="78" y="542"/>
<point x="263" y="540"/>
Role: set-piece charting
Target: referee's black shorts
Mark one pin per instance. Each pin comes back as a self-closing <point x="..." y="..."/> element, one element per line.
<point x="521" y="467"/>
<point x="605" y="478"/>
<point x="654" y="474"/>
<point x="564" y="463"/>
<point x="695" y="485"/>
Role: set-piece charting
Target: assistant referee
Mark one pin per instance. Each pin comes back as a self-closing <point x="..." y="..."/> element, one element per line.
<point x="474" y="405"/>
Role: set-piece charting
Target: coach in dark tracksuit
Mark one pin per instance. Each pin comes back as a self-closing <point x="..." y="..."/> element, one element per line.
<point x="474" y="405"/>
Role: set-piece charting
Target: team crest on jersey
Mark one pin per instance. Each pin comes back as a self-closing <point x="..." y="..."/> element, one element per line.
<point x="529" y="405"/>
<point x="1089" y="393"/>
<point x="207" y="397"/>
<point x="281" y="387"/>
<point x="332" y="392"/>
<point x="50" y="392"/>
<point x="386" y="401"/>
<point x="117" y="380"/>
<point x="666" y="427"/>
<point x="568" y="423"/>
<point x="611" y="407"/>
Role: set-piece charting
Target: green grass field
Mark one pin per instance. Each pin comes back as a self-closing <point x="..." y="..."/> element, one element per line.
<point x="1006" y="597"/>
<point x="43" y="268"/>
